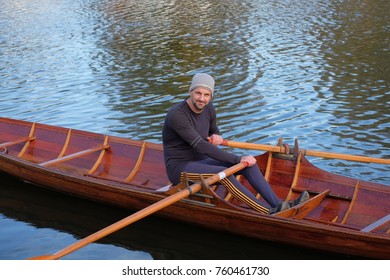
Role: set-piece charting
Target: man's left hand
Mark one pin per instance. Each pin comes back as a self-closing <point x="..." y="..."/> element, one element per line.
<point x="249" y="159"/>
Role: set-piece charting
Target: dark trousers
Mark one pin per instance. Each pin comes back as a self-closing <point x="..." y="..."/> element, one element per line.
<point x="252" y="174"/>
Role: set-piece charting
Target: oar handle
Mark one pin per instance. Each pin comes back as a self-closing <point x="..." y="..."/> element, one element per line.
<point x="252" y="146"/>
<point x="143" y="213"/>
<point x="281" y="149"/>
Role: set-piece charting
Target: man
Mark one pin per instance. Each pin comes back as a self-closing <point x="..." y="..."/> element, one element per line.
<point x="190" y="139"/>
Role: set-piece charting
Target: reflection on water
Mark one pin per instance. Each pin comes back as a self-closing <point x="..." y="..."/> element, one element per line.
<point x="317" y="71"/>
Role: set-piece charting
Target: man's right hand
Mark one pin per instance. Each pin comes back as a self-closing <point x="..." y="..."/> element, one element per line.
<point x="215" y="139"/>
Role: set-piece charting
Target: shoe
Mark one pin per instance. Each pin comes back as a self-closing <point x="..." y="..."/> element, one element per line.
<point x="284" y="205"/>
<point x="302" y="198"/>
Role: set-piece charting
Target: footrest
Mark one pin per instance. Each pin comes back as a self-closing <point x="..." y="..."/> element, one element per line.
<point x="300" y="211"/>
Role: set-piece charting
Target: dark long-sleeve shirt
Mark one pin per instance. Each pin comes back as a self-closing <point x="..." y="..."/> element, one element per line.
<point x="185" y="139"/>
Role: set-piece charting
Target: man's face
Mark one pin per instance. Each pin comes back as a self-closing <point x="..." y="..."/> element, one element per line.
<point x="200" y="97"/>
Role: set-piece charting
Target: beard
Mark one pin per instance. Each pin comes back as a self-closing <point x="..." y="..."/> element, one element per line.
<point x="199" y="105"/>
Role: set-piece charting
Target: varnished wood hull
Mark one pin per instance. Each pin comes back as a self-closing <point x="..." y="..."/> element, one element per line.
<point x="131" y="174"/>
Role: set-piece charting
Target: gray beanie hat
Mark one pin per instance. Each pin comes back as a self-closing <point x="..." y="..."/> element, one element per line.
<point x="203" y="80"/>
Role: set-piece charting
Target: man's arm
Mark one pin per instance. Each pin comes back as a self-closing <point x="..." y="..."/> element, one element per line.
<point x="183" y="128"/>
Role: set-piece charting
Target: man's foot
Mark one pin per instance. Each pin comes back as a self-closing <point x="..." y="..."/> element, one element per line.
<point x="302" y="198"/>
<point x="284" y="205"/>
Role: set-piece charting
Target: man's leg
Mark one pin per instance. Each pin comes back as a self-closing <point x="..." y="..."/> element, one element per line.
<point x="257" y="180"/>
<point x="231" y="183"/>
<point x="254" y="177"/>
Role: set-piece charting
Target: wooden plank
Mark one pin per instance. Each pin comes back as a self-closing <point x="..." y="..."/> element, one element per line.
<point x="300" y="211"/>
<point x="75" y="155"/>
<point x="377" y="224"/>
<point x="17" y="141"/>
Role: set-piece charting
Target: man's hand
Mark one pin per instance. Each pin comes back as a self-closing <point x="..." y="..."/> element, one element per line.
<point x="215" y="139"/>
<point x="249" y="159"/>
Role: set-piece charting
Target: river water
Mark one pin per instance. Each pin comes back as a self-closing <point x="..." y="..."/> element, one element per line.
<point x="316" y="71"/>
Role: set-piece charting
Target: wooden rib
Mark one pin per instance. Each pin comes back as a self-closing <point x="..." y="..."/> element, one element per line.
<point x="228" y="196"/>
<point x="346" y="216"/>
<point x="75" y="155"/>
<point x="17" y="141"/>
<point x="296" y="175"/>
<point x="98" y="161"/>
<point x="377" y="224"/>
<point x="66" y="144"/>
<point x="267" y="171"/>
<point x="268" y="168"/>
<point x="137" y="165"/>
<point x="21" y="153"/>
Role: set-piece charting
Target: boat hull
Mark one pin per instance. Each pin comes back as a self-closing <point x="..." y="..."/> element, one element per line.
<point x="250" y="225"/>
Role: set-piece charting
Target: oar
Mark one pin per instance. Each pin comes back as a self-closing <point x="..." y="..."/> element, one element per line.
<point x="142" y="213"/>
<point x="281" y="149"/>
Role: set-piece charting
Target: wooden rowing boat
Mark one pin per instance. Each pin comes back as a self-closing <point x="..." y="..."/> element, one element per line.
<point x="344" y="215"/>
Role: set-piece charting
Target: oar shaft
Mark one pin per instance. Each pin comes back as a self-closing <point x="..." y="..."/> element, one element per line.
<point x="142" y="213"/>
<point x="345" y="157"/>
<point x="281" y="149"/>
<point x="127" y="221"/>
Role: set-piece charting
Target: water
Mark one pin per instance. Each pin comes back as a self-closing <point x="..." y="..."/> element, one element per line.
<point x="317" y="71"/>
